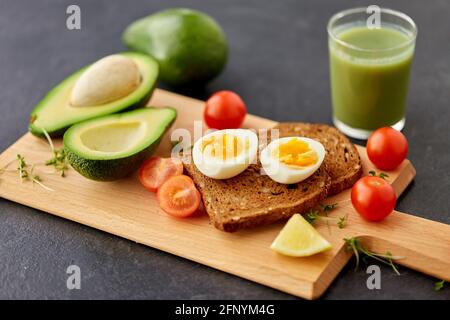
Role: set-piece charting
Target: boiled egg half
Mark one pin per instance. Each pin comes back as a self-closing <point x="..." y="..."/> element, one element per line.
<point x="225" y="153"/>
<point x="292" y="159"/>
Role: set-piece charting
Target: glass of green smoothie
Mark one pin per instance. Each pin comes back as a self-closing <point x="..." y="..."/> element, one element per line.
<point x="370" y="67"/>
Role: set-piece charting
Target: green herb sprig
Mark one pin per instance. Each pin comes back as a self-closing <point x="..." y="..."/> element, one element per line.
<point x="328" y="207"/>
<point x="314" y="215"/>
<point x="382" y="175"/>
<point x="22" y="167"/>
<point x="24" y="174"/>
<point x="36" y="179"/>
<point x="341" y="222"/>
<point x="438" y="286"/>
<point x="354" y="245"/>
<point x="59" y="156"/>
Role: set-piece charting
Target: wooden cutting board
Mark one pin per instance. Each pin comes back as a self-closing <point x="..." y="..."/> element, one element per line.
<point x="126" y="209"/>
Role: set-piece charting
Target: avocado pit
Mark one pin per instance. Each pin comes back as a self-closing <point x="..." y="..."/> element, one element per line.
<point x="116" y="83"/>
<point x="109" y="79"/>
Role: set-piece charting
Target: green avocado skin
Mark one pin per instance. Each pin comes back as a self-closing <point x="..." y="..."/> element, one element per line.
<point x="113" y="169"/>
<point x="109" y="170"/>
<point x="36" y="131"/>
<point x="189" y="45"/>
<point x="137" y="102"/>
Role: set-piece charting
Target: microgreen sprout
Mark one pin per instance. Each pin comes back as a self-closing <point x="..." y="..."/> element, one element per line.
<point x="59" y="156"/>
<point x="382" y="175"/>
<point x="439" y="285"/>
<point x="24" y="174"/>
<point x="354" y="245"/>
<point x="313" y="215"/>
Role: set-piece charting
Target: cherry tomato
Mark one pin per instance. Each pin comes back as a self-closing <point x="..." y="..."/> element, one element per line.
<point x="387" y="148"/>
<point x="224" y="110"/>
<point x="373" y="198"/>
<point x="178" y="196"/>
<point x="155" y="171"/>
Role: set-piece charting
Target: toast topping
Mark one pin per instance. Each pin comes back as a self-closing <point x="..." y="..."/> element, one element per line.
<point x="342" y="162"/>
<point x="292" y="159"/>
<point x="296" y="153"/>
<point x="226" y="153"/>
<point x="251" y="198"/>
<point x="224" y="147"/>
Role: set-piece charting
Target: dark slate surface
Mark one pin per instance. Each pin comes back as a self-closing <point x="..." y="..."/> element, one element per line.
<point x="278" y="63"/>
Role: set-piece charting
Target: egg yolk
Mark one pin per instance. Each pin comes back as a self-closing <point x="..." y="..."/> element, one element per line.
<point x="225" y="146"/>
<point x="296" y="153"/>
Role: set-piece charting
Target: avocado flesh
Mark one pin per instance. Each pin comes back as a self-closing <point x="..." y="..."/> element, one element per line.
<point x="55" y="114"/>
<point x="110" y="147"/>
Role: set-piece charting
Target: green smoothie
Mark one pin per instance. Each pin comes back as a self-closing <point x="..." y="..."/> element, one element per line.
<point x="369" y="78"/>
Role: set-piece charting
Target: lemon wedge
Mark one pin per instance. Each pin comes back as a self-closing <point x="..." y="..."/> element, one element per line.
<point x="298" y="238"/>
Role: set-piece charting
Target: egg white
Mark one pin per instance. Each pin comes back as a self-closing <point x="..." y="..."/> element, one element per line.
<point x="224" y="169"/>
<point x="286" y="174"/>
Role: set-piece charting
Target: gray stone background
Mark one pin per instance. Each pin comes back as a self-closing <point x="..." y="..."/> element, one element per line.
<point x="278" y="63"/>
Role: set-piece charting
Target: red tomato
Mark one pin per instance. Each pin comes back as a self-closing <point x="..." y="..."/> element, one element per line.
<point x="224" y="110"/>
<point x="178" y="196"/>
<point x="373" y="198"/>
<point x="155" y="171"/>
<point x="387" y="148"/>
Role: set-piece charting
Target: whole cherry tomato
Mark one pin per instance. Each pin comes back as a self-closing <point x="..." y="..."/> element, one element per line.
<point x="373" y="198"/>
<point x="224" y="110"/>
<point x="387" y="148"/>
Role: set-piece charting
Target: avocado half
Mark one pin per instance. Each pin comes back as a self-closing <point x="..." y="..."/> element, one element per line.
<point x="54" y="113"/>
<point x="110" y="147"/>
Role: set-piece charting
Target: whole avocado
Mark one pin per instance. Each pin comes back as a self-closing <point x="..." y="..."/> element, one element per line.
<point x="189" y="45"/>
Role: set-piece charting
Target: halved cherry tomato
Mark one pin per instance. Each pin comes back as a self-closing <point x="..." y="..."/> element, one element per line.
<point x="373" y="198"/>
<point x="155" y="171"/>
<point x="387" y="148"/>
<point x="224" y="110"/>
<point x="178" y="196"/>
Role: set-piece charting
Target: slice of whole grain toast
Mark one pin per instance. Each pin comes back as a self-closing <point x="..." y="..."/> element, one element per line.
<point x="251" y="198"/>
<point x="342" y="162"/>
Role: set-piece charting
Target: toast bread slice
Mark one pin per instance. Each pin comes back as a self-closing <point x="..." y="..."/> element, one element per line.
<point x="251" y="198"/>
<point x="342" y="162"/>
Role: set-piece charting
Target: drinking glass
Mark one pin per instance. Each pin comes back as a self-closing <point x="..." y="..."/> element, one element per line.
<point x="370" y="68"/>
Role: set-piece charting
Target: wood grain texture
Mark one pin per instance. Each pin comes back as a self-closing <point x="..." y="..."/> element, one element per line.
<point x="126" y="209"/>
